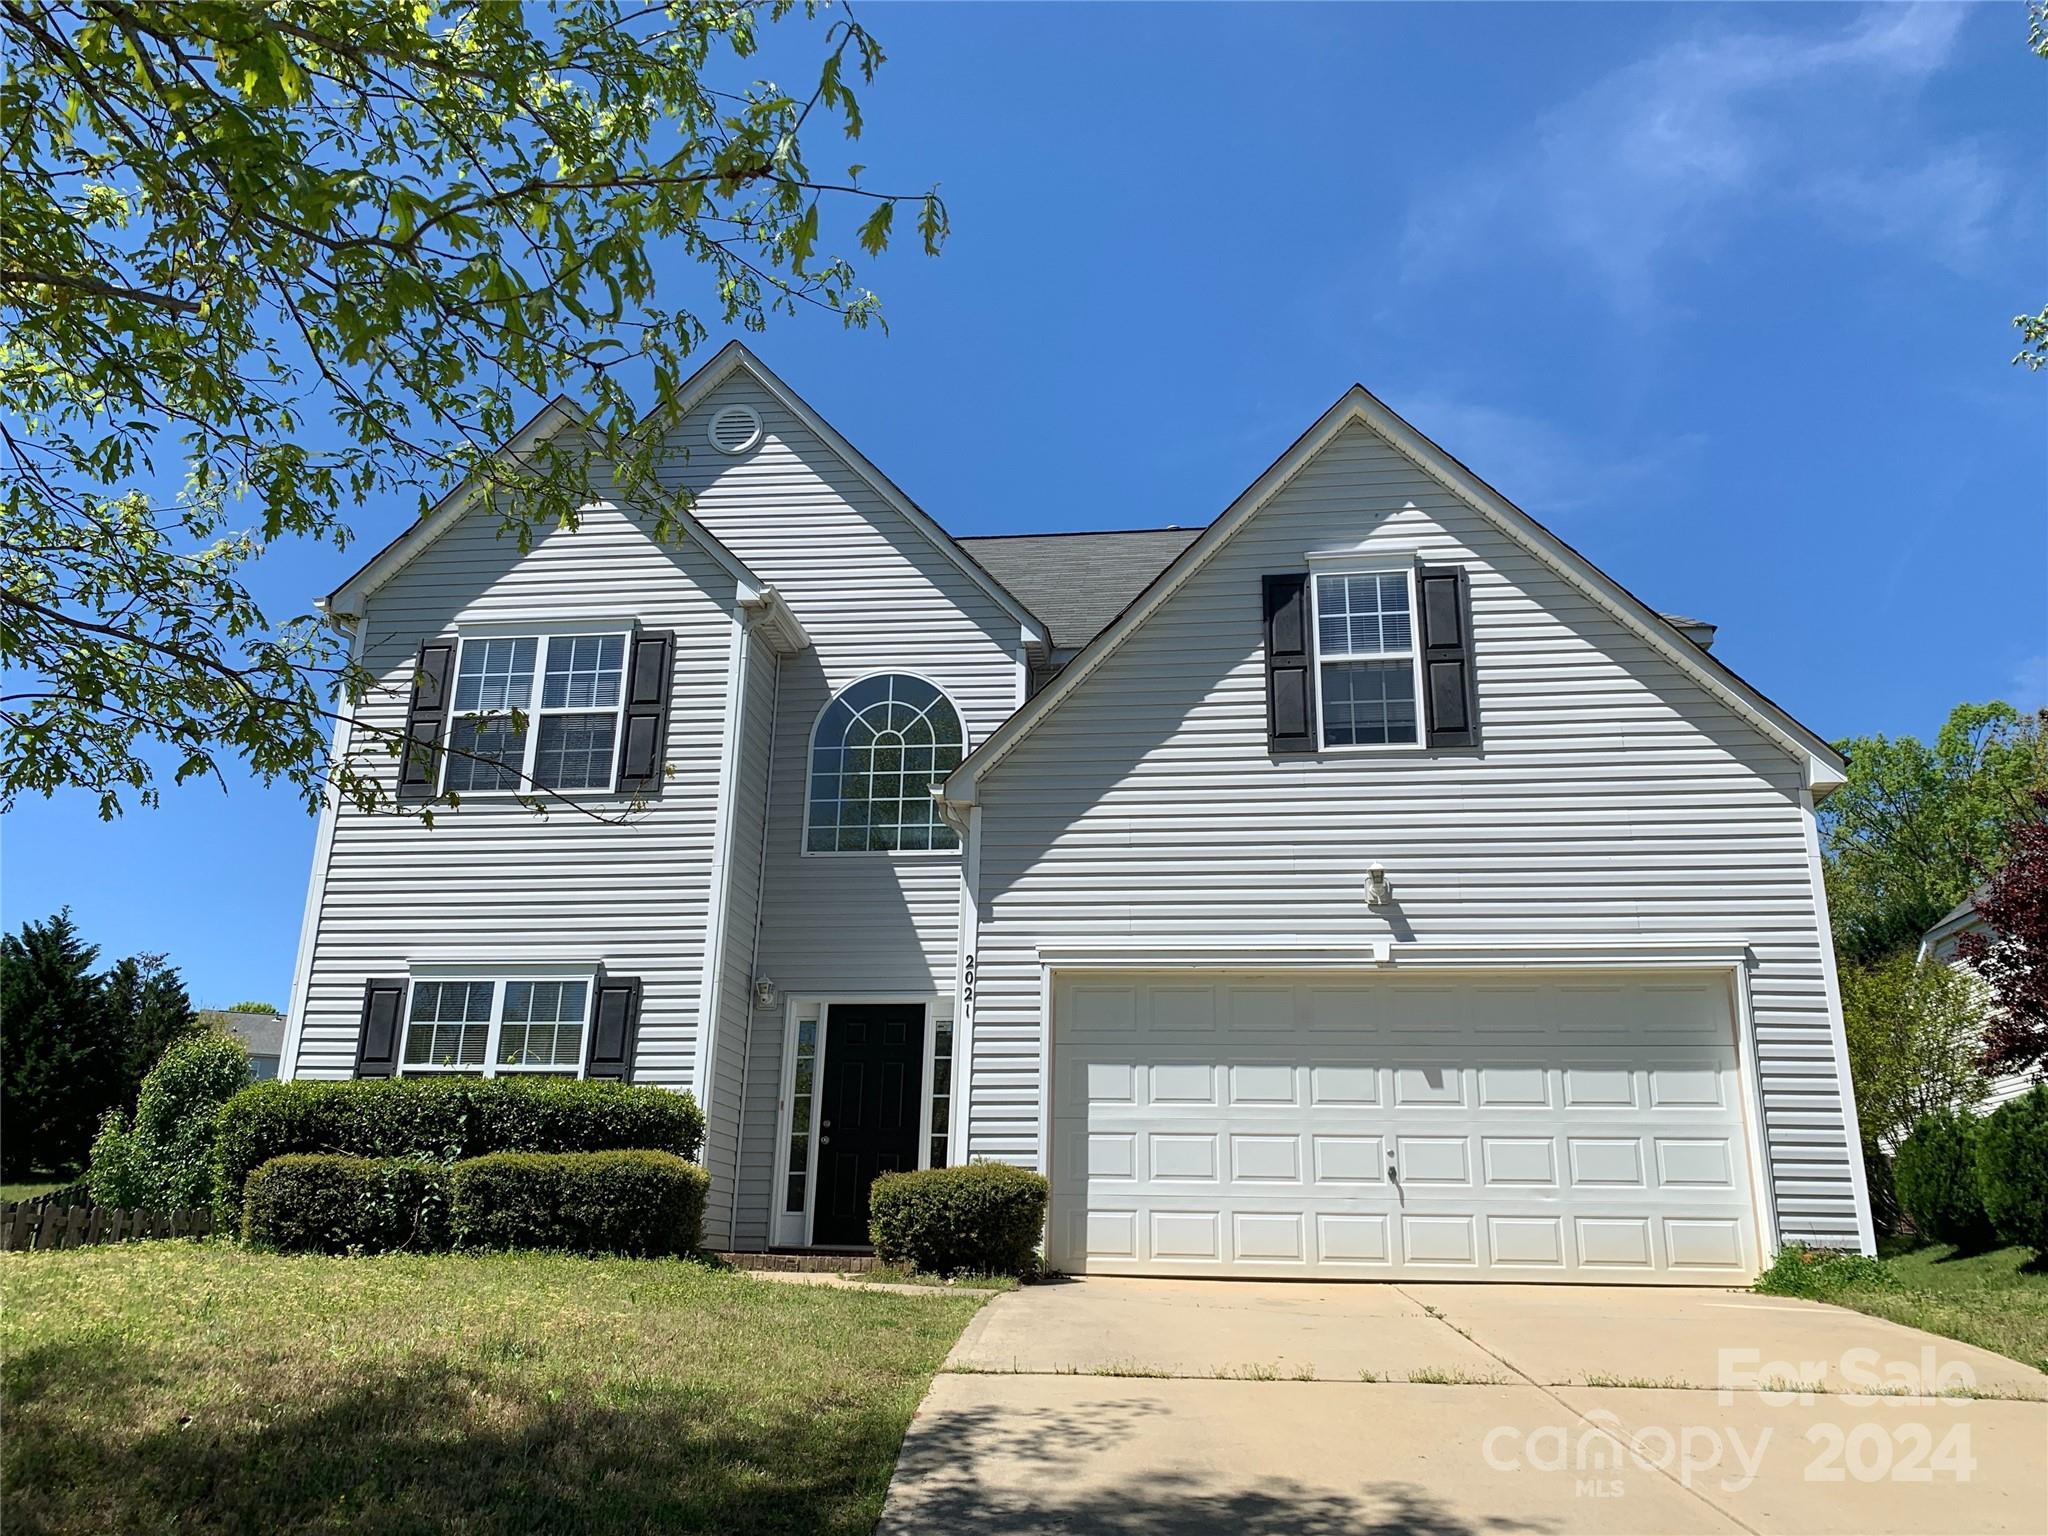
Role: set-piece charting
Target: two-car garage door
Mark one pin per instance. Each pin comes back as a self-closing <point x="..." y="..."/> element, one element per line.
<point x="1505" y="1127"/>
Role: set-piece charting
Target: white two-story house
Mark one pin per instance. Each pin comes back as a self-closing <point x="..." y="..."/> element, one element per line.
<point x="1359" y="884"/>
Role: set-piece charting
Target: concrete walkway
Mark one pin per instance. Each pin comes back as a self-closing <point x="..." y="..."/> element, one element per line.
<point x="1148" y="1407"/>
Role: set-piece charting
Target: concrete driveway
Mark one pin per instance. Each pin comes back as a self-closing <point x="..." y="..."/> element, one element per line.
<point x="1148" y="1407"/>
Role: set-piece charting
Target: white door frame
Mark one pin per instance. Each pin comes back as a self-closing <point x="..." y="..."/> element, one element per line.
<point x="1728" y="959"/>
<point x="792" y="1229"/>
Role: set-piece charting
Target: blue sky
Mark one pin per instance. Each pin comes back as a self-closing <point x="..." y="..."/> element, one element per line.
<point x="1721" y="294"/>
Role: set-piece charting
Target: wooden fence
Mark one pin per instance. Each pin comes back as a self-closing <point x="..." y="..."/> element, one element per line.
<point x="82" y="1226"/>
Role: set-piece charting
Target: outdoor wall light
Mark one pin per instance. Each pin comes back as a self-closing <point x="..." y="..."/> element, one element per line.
<point x="1377" y="892"/>
<point x="764" y="993"/>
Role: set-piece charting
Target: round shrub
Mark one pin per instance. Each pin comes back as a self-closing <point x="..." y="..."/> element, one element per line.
<point x="641" y="1204"/>
<point x="1935" y="1174"/>
<point x="447" y="1119"/>
<point x="2012" y="1169"/>
<point x="328" y="1202"/>
<point x="985" y="1218"/>
<point x="165" y="1161"/>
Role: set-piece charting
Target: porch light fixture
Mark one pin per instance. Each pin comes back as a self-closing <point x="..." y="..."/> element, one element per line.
<point x="1377" y="892"/>
<point x="764" y="993"/>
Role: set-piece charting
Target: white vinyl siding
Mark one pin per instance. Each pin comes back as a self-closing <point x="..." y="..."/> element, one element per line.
<point x="874" y="595"/>
<point x="1612" y="797"/>
<point x="494" y="882"/>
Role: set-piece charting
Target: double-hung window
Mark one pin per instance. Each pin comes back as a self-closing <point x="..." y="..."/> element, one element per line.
<point x="1366" y="658"/>
<point x="489" y="1026"/>
<point x="537" y="712"/>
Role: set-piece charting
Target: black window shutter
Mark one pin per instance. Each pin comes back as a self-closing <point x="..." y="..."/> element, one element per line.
<point x="1290" y="665"/>
<point x="426" y="720"/>
<point x="1447" y="656"/>
<point x="614" y="1023"/>
<point x="646" y="723"/>
<point x="383" y="1025"/>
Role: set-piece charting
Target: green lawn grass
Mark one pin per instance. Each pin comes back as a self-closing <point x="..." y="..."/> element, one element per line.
<point x="1997" y="1301"/>
<point x="202" y="1387"/>
<point x="9" y="1192"/>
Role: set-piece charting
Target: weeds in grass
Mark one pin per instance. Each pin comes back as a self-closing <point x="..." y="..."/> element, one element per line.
<point x="1130" y="1368"/>
<point x="1431" y="1376"/>
<point x="1252" y="1372"/>
<point x="1819" y="1273"/>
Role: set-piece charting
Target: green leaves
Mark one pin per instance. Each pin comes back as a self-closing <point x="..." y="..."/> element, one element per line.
<point x="1916" y="827"/>
<point x="293" y="258"/>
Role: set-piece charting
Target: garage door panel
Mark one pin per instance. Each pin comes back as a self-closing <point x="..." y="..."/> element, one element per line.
<point x="1606" y="1162"/>
<point x="1510" y="1127"/>
<point x="1516" y="1085"/>
<point x="1181" y="1010"/>
<point x="1171" y="1083"/>
<point x="1449" y="1241"/>
<point x="1714" y="1244"/>
<point x="1184" y="1156"/>
<point x="1349" y="1159"/>
<point x="1429" y="1085"/>
<point x="1263" y="1083"/>
<point x="1526" y="1241"/>
<point x="1344" y="1087"/>
<point x="1522" y="1162"/>
<point x="1342" y="1010"/>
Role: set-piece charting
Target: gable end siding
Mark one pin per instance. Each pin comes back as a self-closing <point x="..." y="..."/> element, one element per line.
<point x="1611" y="796"/>
<point x="873" y="595"/>
<point x="493" y="881"/>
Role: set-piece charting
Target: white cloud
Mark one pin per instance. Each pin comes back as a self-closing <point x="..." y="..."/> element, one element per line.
<point x="1536" y="465"/>
<point x="1656" y="160"/>
<point x="1948" y="205"/>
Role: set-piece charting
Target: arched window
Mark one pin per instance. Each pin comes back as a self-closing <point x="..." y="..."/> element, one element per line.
<point x="877" y="750"/>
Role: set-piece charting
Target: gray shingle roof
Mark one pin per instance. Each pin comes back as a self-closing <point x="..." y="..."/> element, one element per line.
<point x="1078" y="582"/>
<point x="262" y="1033"/>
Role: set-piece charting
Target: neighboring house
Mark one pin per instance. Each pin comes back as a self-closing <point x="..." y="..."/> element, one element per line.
<point x="1584" y="1024"/>
<point x="261" y="1033"/>
<point x="1939" y="943"/>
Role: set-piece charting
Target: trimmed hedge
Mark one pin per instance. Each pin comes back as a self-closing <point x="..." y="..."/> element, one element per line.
<point x="1935" y="1174"/>
<point x="985" y="1218"/>
<point x="328" y="1202"/>
<point x="642" y="1204"/>
<point x="445" y="1119"/>
<point x="2012" y="1169"/>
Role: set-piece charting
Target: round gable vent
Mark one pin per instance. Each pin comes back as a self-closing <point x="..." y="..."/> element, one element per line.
<point x="735" y="428"/>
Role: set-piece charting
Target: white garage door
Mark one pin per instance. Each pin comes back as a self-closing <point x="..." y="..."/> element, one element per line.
<point x="1504" y="1128"/>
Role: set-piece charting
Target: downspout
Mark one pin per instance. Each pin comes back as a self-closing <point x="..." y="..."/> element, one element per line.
<point x="754" y="964"/>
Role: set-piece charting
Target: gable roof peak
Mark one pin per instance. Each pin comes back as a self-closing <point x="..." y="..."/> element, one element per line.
<point x="1822" y="767"/>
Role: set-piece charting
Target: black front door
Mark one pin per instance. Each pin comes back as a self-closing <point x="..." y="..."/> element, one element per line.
<point x="867" y="1111"/>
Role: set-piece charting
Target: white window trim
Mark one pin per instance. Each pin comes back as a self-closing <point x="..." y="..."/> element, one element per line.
<point x="497" y="976"/>
<point x="810" y="749"/>
<point x="545" y="635"/>
<point x="1406" y="570"/>
<point x="792" y="1229"/>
